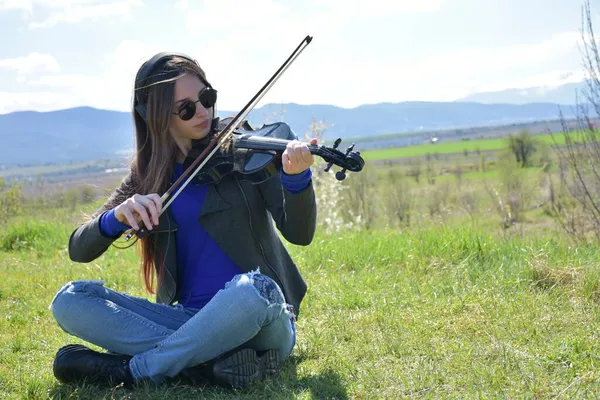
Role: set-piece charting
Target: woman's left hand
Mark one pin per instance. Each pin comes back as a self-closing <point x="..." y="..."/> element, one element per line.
<point x="296" y="157"/>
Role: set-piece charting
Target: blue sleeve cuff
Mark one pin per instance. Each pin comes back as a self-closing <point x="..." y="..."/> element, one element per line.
<point x="298" y="182"/>
<point x="110" y="225"/>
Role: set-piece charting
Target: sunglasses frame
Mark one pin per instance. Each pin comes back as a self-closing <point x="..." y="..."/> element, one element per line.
<point x="187" y="104"/>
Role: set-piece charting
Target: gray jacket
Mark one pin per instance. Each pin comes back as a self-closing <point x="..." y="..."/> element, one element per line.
<point x="239" y="216"/>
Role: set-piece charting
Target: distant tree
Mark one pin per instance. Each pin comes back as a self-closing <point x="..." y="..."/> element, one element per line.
<point x="523" y="146"/>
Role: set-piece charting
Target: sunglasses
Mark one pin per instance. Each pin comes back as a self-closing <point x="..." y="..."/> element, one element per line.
<point x="207" y="97"/>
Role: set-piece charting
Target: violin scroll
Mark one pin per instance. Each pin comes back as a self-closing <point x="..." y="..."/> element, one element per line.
<point x="352" y="161"/>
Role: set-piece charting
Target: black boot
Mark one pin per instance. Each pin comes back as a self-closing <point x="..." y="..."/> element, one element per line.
<point x="76" y="363"/>
<point x="237" y="368"/>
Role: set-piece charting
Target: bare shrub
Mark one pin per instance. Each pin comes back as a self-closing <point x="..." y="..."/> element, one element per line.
<point x="469" y="203"/>
<point x="72" y="197"/>
<point x="43" y="196"/>
<point x="482" y="161"/>
<point x="544" y="156"/>
<point x="398" y="198"/>
<point x="577" y="208"/>
<point x="10" y="200"/>
<point x="360" y="199"/>
<point x="430" y="169"/>
<point x="566" y="210"/>
<point x="335" y="214"/>
<point x="507" y="219"/>
<point x="415" y="169"/>
<point x="438" y="200"/>
<point x="508" y="199"/>
<point x="458" y="172"/>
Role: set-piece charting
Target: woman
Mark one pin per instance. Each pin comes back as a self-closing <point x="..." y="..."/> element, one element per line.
<point x="226" y="289"/>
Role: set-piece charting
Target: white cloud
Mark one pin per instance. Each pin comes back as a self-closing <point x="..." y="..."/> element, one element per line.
<point x="315" y="77"/>
<point x="130" y="54"/>
<point x="32" y="63"/>
<point x="71" y="11"/>
<point x="546" y="80"/>
<point x="182" y="4"/>
<point x="29" y="5"/>
<point x="250" y="40"/>
<point x="373" y="8"/>
<point x="239" y="62"/>
<point x="442" y="77"/>
<point x="245" y="53"/>
<point x="226" y="14"/>
<point x="63" y="3"/>
<point x="57" y="81"/>
<point x="489" y="69"/>
<point x="270" y="20"/>
<point x="6" y="5"/>
<point x="34" y="100"/>
<point x="493" y="59"/>
<point x="111" y="89"/>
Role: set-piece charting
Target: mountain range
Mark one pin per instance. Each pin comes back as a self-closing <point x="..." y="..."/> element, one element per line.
<point x="85" y="133"/>
<point x="567" y="93"/>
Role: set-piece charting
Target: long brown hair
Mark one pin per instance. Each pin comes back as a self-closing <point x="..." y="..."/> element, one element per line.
<point x="152" y="165"/>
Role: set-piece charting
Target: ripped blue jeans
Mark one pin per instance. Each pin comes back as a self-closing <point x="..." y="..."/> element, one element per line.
<point x="249" y="312"/>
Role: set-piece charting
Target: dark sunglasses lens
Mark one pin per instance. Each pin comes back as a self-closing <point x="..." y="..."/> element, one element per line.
<point x="187" y="110"/>
<point x="208" y="97"/>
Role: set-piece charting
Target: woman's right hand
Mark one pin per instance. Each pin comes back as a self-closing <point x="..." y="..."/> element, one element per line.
<point x="139" y="208"/>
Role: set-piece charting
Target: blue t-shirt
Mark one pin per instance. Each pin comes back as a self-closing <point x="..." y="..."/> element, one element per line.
<point x="204" y="267"/>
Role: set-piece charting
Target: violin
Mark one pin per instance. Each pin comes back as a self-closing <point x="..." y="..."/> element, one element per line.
<point x="255" y="155"/>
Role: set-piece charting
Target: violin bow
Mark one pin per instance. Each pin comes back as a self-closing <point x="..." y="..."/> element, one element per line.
<point x="223" y="136"/>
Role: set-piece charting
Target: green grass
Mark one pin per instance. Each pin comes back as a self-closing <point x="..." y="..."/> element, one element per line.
<point x="47" y="169"/>
<point x="451" y="147"/>
<point x="432" y="312"/>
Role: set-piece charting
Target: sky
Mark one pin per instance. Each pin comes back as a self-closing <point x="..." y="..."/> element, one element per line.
<point x="58" y="54"/>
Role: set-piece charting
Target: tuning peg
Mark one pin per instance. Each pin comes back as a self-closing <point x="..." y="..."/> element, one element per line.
<point x="349" y="149"/>
<point x="341" y="175"/>
<point x="335" y="146"/>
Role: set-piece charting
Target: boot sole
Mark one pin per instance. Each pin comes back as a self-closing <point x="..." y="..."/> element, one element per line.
<point x="62" y="372"/>
<point x="244" y="367"/>
<point x="270" y="362"/>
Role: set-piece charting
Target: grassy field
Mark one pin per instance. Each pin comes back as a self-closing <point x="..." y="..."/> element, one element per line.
<point x="450" y="304"/>
<point x="82" y="167"/>
<point x="469" y="146"/>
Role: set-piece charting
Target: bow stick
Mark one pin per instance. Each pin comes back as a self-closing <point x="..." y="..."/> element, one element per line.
<point x="219" y="139"/>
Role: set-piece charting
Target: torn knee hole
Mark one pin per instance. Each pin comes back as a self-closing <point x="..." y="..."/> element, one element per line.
<point x="268" y="289"/>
